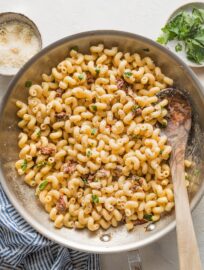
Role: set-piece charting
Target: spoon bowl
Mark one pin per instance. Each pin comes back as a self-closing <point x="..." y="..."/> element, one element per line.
<point x="177" y="131"/>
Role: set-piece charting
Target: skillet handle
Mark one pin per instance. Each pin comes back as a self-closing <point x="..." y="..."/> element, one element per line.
<point x="134" y="260"/>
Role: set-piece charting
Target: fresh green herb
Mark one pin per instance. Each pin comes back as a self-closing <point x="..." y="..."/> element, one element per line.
<point x="95" y="198"/>
<point x="80" y="77"/>
<point x="128" y="74"/>
<point x="148" y="217"/>
<point x="134" y="108"/>
<point x="43" y="185"/>
<point x="161" y="151"/>
<point x="162" y="40"/>
<point x="198" y="14"/>
<point x="96" y="180"/>
<point x="135" y="137"/>
<point x="24" y="165"/>
<point x="155" y="103"/>
<point x="136" y="178"/>
<point x="28" y="84"/>
<point x="93" y="131"/>
<point x="85" y="180"/>
<point x="88" y="153"/>
<point x="41" y="164"/>
<point x="178" y="47"/>
<point x="97" y="70"/>
<point x="195" y="50"/>
<point x="196" y="172"/>
<point x="94" y="108"/>
<point x="188" y="28"/>
<point x="146" y="49"/>
<point x="187" y="177"/>
<point x="38" y="133"/>
<point x="75" y="48"/>
<point x="163" y="124"/>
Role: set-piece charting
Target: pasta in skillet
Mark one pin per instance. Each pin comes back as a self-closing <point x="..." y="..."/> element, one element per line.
<point x="91" y="142"/>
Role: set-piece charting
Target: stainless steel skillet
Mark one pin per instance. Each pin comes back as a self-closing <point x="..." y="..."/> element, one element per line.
<point x="23" y="197"/>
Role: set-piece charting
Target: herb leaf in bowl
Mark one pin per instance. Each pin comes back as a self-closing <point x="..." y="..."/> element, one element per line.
<point x="198" y="13"/>
<point x="187" y="28"/>
<point x="178" y="47"/>
<point x="195" y="50"/>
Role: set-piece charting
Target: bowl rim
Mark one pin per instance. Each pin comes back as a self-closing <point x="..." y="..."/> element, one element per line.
<point x="42" y="229"/>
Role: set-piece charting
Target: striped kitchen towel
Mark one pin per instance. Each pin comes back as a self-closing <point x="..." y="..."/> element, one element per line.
<point x="22" y="248"/>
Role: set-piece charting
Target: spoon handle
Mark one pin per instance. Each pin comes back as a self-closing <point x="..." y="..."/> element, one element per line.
<point x="189" y="258"/>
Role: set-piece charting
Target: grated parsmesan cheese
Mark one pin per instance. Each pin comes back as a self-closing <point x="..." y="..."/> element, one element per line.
<point x="18" y="43"/>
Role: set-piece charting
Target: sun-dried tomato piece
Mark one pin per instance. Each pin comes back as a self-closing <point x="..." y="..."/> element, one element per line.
<point x="89" y="78"/>
<point x="46" y="150"/>
<point x="59" y="92"/>
<point x="118" y="170"/>
<point x="61" y="116"/>
<point x="61" y="205"/>
<point x="102" y="173"/>
<point x="69" y="167"/>
<point x="121" y="84"/>
<point x="140" y="222"/>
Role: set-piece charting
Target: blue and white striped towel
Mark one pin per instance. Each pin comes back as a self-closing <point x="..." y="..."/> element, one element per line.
<point x="22" y="248"/>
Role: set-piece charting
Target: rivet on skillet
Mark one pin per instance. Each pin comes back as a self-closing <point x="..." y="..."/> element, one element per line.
<point x="105" y="237"/>
<point x="150" y="227"/>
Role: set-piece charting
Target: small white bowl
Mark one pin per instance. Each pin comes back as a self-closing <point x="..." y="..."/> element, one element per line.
<point x="171" y="44"/>
<point x="12" y="16"/>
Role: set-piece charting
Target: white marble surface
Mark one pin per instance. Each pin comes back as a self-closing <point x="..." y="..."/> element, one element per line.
<point x="59" y="18"/>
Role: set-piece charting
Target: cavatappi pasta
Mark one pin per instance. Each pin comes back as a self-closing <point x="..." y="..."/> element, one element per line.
<point x="91" y="143"/>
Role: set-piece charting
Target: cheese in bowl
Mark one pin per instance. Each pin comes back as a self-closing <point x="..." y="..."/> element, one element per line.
<point x="18" y="43"/>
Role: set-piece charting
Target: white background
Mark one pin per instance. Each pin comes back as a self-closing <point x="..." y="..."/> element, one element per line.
<point x="59" y="18"/>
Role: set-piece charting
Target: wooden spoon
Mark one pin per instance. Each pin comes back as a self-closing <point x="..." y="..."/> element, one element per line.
<point x="177" y="131"/>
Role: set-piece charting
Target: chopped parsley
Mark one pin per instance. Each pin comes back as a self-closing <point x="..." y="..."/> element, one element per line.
<point x="135" y="107"/>
<point x="93" y="131"/>
<point x="135" y="137"/>
<point x="163" y="124"/>
<point x="42" y="164"/>
<point x="148" y="217"/>
<point x="136" y="178"/>
<point x="187" y="177"/>
<point x="75" y="48"/>
<point x="38" y="133"/>
<point x="162" y="39"/>
<point x="24" y="165"/>
<point x="178" y="47"/>
<point x="95" y="198"/>
<point x="80" y="77"/>
<point x="43" y="185"/>
<point x="161" y="151"/>
<point x="94" y="108"/>
<point x="88" y="153"/>
<point x="187" y="28"/>
<point x="97" y="70"/>
<point x="91" y="144"/>
<point x="96" y="180"/>
<point x="28" y="84"/>
<point x="85" y="180"/>
<point x="196" y="172"/>
<point x="128" y="74"/>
